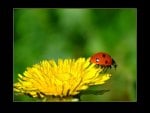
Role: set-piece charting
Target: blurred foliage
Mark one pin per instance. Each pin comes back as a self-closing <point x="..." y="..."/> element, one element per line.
<point x="41" y="34"/>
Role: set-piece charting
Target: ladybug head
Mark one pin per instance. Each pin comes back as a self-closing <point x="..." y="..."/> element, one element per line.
<point x="114" y="63"/>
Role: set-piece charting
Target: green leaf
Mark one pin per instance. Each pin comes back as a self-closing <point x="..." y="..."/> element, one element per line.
<point x="94" y="92"/>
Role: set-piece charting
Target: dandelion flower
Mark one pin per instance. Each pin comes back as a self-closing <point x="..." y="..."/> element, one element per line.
<point x="66" y="78"/>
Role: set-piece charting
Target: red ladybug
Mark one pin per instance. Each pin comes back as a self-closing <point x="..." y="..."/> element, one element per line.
<point x="103" y="59"/>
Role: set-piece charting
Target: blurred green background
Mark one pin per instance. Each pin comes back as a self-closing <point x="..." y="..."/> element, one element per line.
<point x="44" y="33"/>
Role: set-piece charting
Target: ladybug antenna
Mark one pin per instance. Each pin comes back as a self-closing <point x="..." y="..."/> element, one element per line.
<point x="114" y="63"/>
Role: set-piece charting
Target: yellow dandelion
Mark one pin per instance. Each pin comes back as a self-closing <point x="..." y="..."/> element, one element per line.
<point x="66" y="78"/>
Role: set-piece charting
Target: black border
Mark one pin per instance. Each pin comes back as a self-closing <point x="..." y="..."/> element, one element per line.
<point x="7" y="70"/>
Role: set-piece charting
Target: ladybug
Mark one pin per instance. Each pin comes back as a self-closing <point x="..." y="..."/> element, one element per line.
<point x="104" y="60"/>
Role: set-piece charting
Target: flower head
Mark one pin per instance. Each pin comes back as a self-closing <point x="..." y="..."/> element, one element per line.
<point x="62" y="79"/>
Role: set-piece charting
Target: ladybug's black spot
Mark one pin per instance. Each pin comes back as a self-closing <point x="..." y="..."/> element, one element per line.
<point x="106" y="62"/>
<point x="103" y="55"/>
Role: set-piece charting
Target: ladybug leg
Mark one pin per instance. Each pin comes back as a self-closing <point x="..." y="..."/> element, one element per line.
<point x="102" y="66"/>
<point x="114" y="63"/>
<point x="105" y="69"/>
<point x="97" y="66"/>
<point x="110" y="67"/>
